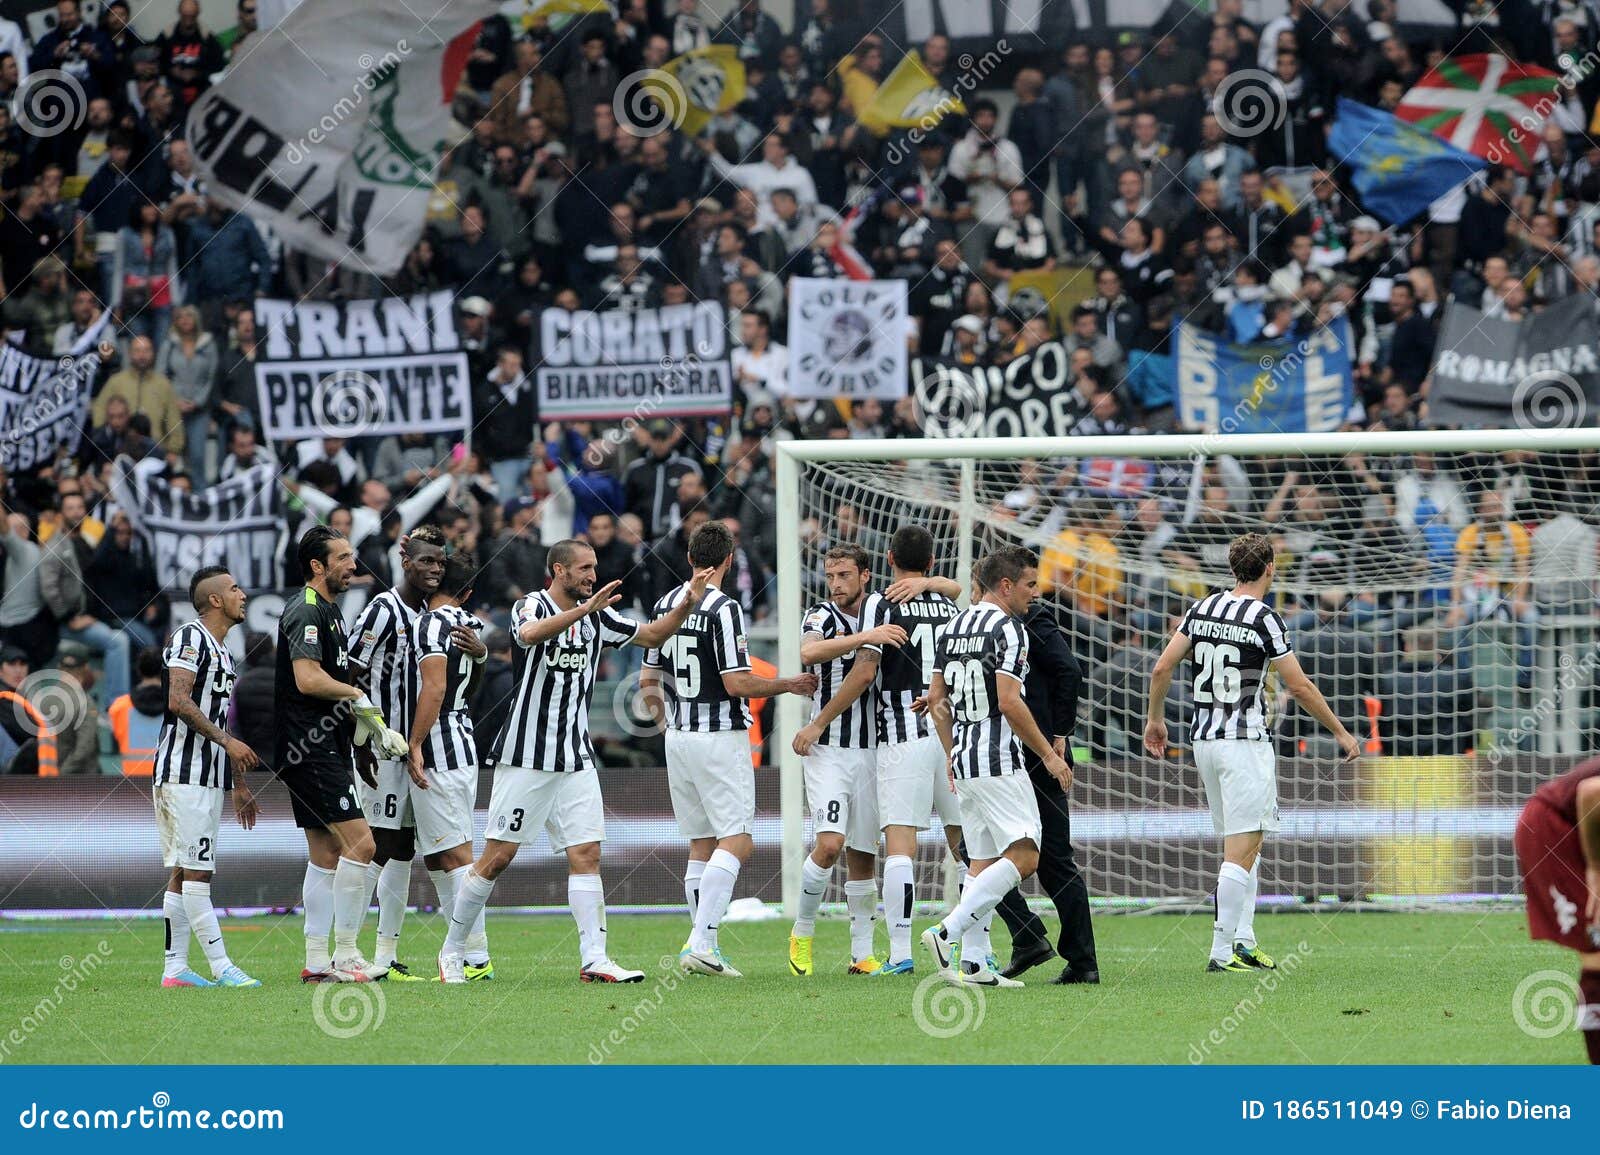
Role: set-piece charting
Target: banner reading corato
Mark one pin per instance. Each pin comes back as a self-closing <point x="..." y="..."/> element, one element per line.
<point x="44" y="401"/>
<point x="331" y="129"/>
<point x="847" y="339"/>
<point x="1539" y="372"/>
<point x="358" y="368"/>
<point x="237" y="523"/>
<point x="639" y="363"/>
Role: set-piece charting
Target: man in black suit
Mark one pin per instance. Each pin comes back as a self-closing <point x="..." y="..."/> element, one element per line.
<point x="1054" y="678"/>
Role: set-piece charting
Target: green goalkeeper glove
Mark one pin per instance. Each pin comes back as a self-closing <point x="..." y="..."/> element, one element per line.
<point x="370" y="726"/>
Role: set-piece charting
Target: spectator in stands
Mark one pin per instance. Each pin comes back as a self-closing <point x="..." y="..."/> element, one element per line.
<point x="78" y="49"/>
<point x="123" y="577"/>
<point x="516" y="564"/>
<point x="136" y="716"/>
<point x="230" y="263"/>
<point x="620" y="560"/>
<point x="252" y="714"/>
<point x="668" y="563"/>
<point x="1490" y="582"/>
<point x="64" y="700"/>
<point x="43" y="307"/>
<point x="244" y="452"/>
<point x="149" y="392"/>
<point x="1429" y="706"/>
<point x="144" y="274"/>
<point x="190" y="359"/>
<point x="238" y="400"/>
<point x="492" y="703"/>
<point x="26" y="622"/>
<point x="14" y="668"/>
<point x="527" y="90"/>
<point x="85" y="314"/>
<point x="760" y="364"/>
<point x="650" y="485"/>
<point x="590" y="80"/>
<point x="66" y="559"/>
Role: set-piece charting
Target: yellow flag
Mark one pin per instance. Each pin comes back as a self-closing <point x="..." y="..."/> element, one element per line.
<point x="549" y="8"/>
<point x="908" y="98"/>
<point x="694" y="87"/>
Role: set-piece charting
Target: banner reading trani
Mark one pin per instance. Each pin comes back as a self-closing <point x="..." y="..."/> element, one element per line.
<point x="639" y="363"/>
<point x="237" y="523"/>
<point x="1541" y="372"/>
<point x="847" y="339"/>
<point x="1300" y="385"/>
<point x="362" y="368"/>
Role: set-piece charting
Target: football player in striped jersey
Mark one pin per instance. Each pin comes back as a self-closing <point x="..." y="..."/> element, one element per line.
<point x="196" y="760"/>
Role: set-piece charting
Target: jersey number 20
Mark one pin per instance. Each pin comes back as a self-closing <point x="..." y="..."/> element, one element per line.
<point x="968" y="689"/>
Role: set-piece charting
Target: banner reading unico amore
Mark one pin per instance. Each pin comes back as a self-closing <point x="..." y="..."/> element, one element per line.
<point x="1031" y="396"/>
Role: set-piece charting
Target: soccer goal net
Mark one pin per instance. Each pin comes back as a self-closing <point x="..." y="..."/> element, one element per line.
<point x="1439" y="588"/>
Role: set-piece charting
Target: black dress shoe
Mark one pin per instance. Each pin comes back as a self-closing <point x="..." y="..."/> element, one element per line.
<point x="1070" y="977"/>
<point x="1025" y="958"/>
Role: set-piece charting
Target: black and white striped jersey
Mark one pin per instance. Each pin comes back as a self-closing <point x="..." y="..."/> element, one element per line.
<point x="383" y="647"/>
<point x="854" y="728"/>
<point x="980" y="645"/>
<point x="905" y="671"/>
<point x="710" y="643"/>
<point x="450" y="744"/>
<point x="548" y="726"/>
<point x="183" y="756"/>
<point x="1233" y="639"/>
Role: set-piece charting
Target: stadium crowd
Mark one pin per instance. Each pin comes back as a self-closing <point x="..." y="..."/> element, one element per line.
<point x="1106" y="156"/>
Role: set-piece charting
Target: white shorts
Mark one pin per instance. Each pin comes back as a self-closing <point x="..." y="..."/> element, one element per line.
<point x="188" y="818"/>
<point x="997" y="812"/>
<point x="526" y="801"/>
<point x="388" y="804"/>
<point x="914" y="779"/>
<point x="842" y="791"/>
<point x="713" y="783"/>
<point x="444" y="810"/>
<point x="1241" y="781"/>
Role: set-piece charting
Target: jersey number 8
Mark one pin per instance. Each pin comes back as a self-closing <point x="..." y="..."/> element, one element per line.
<point x="1217" y="678"/>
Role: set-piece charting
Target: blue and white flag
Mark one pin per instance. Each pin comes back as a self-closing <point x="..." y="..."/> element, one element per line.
<point x="1294" y="385"/>
<point x="1397" y="170"/>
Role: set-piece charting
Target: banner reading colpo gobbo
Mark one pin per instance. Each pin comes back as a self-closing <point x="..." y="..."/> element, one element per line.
<point x="361" y="368"/>
<point x="638" y="363"/>
<point x="847" y="339"/>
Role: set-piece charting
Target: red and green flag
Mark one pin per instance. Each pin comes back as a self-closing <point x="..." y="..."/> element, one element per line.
<point x="1486" y="105"/>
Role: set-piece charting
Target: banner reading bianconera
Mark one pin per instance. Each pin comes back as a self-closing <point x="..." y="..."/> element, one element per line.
<point x="1541" y="372"/>
<point x="847" y="339"/>
<point x="638" y="363"/>
<point x="359" y="368"/>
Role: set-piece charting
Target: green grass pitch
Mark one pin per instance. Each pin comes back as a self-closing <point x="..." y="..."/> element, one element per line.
<point x="1355" y="987"/>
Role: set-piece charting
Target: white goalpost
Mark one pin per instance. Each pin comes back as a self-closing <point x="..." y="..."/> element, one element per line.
<point x="1440" y="587"/>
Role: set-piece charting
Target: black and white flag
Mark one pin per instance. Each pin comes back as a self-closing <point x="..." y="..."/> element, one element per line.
<point x="44" y="401"/>
<point x="237" y="523"/>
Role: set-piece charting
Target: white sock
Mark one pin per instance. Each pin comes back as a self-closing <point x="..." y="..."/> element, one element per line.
<point x="587" y="896"/>
<point x="317" y="895"/>
<point x="177" y="952"/>
<point x="203" y="921"/>
<point x="394" y="887"/>
<point x="692" y="874"/>
<point x="349" y="906"/>
<point x="374" y="873"/>
<point x="1233" y="882"/>
<point x="813" y="885"/>
<point x="980" y="894"/>
<point x="899" y="896"/>
<point x="1246" y="931"/>
<point x="445" y="884"/>
<point x="716" y="891"/>
<point x="861" y="899"/>
<point x="472" y="895"/>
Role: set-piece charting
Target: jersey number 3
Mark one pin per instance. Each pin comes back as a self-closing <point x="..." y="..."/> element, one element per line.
<point x="1218" y="678"/>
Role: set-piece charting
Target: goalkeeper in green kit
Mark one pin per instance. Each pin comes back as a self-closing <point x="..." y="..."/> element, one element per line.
<point x="321" y="720"/>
